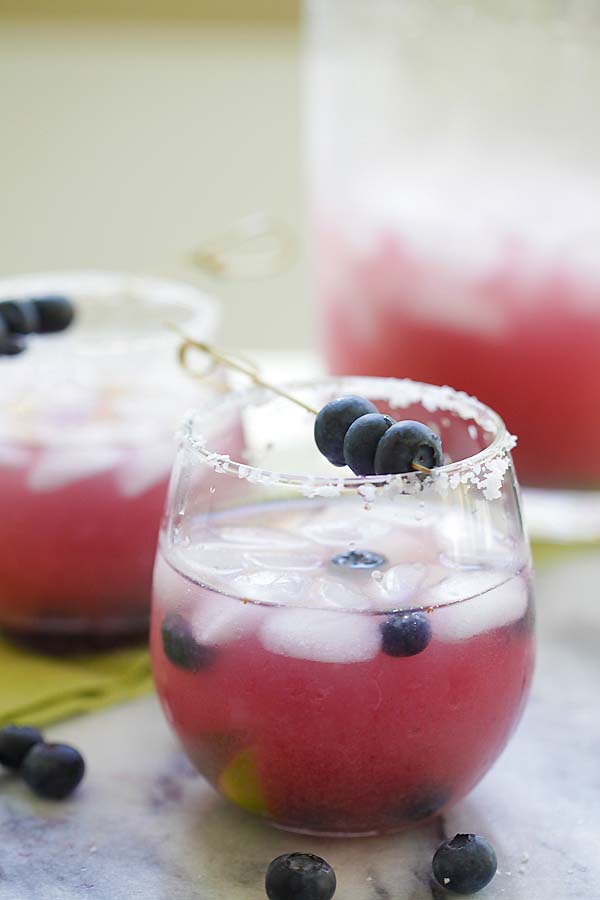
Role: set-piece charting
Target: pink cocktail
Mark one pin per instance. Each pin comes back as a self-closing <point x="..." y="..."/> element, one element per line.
<point x="86" y="447"/>
<point x="523" y="338"/>
<point x="278" y="601"/>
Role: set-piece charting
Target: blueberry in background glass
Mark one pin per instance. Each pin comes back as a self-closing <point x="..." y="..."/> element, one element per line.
<point x="38" y="315"/>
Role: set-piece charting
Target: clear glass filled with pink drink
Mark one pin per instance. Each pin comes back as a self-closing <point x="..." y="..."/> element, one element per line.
<point x="455" y="173"/>
<point x="86" y="446"/>
<point x="340" y="654"/>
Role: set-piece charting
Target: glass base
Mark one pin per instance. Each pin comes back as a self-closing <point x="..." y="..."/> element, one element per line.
<point x="77" y="636"/>
<point x="562" y="516"/>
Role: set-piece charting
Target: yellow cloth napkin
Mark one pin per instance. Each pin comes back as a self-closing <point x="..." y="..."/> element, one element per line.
<point x="37" y="689"/>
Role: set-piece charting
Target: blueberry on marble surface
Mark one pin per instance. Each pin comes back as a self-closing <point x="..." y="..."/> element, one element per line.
<point x="361" y="441"/>
<point x="465" y="865"/>
<point x="53" y="771"/>
<point x="405" y="634"/>
<point x="300" y="876"/>
<point x="15" y="743"/>
<point x="334" y="420"/>
<point x="405" y="444"/>
<point x="181" y="647"/>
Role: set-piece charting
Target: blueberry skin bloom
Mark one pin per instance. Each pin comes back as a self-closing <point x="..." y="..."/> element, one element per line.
<point x="405" y="634"/>
<point x="406" y="443"/>
<point x="53" y="771"/>
<point x="334" y="420"/>
<point x="300" y="876"/>
<point x="361" y="442"/>
<point x="15" y="743"/>
<point x="465" y="865"/>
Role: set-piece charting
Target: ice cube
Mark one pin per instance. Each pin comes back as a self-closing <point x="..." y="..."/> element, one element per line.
<point x="59" y="467"/>
<point x="462" y="585"/>
<point x="330" y="592"/>
<point x="321" y="635"/>
<point x="209" y="560"/>
<point x="270" y="586"/>
<point x="286" y="560"/>
<point x="254" y="537"/>
<point x="169" y="588"/>
<point x="143" y="468"/>
<point x="217" y="619"/>
<point x="12" y="457"/>
<point x="400" y="586"/>
<point x="346" y="526"/>
<point x="492" y="605"/>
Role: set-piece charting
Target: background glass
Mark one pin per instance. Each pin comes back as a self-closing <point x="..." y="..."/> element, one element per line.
<point x="86" y="446"/>
<point x="456" y="170"/>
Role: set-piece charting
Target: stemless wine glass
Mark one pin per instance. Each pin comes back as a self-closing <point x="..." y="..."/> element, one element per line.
<point x="86" y="447"/>
<point x="338" y="654"/>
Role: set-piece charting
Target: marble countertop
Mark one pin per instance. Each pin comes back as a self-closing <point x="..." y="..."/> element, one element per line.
<point x="144" y="825"/>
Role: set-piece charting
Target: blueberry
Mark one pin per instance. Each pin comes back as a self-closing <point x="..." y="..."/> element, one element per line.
<point x="20" y="317"/>
<point x="465" y="864"/>
<point x="181" y="647"/>
<point x="11" y="345"/>
<point x="334" y="420"/>
<point x="300" y="876"/>
<point x="406" y="443"/>
<point x="359" y="559"/>
<point x="53" y="770"/>
<point x="55" y="313"/>
<point x="405" y="634"/>
<point x="15" y="742"/>
<point x="361" y="442"/>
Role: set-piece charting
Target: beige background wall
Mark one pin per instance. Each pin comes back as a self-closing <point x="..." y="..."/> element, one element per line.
<point x="221" y="10"/>
<point x="125" y="142"/>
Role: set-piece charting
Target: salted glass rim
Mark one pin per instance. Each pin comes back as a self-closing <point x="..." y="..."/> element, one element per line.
<point x="202" y="307"/>
<point x="434" y="398"/>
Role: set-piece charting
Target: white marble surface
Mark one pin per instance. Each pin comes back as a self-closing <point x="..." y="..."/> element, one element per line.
<point x="143" y="826"/>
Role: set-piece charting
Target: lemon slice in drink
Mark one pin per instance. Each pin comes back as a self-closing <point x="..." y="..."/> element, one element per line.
<point x="239" y="782"/>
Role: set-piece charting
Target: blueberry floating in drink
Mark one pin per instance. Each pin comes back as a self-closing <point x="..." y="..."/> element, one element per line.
<point x="181" y="647"/>
<point x="301" y="876"/>
<point x="405" y="634"/>
<point x="15" y="743"/>
<point x="359" y="559"/>
<point x="465" y="865"/>
<point x="37" y="315"/>
<point x="52" y="771"/>
<point x="351" y="431"/>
